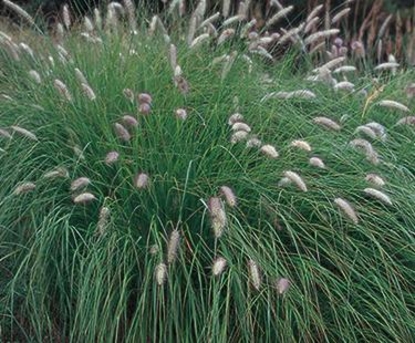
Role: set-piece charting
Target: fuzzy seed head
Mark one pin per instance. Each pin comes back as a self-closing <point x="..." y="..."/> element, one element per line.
<point x="254" y="274"/>
<point x="379" y="129"/>
<point x="129" y="94"/>
<point x="112" y="157"/>
<point x="160" y="273"/>
<point x="301" y="144"/>
<point x="253" y="142"/>
<point x="66" y="17"/>
<point x="282" y="285"/>
<point x="24" y="188"/>
<point x="367" y="148"/>
<point x="4" y="133"/>
<point x="62" y="89"/>
<point x="144" y="108"/>
<point x="327" y="123"/>
<point x="317" y="162"/>
<point x="181" y="84"/>
<point x="173" y="56"/>
<point x="103" y="219"/>
<point x="58" y="172"/>
<point x="144" y="98"/>
<point x="295" y="178"/>
<point x="80" y="183"/>
<point x="269" y="151"/>
<point x="218" y="266"/>
<point x="35" y="76"/>
<point x="24" y="132"/>
<point x="238" y="136"/>
<point x="285" y="181"/>
<point x="142" y="181"/>
<point x="229" y="196"/>
<point x="235" y="118"/>
<point x="217" y="216"/>
<point x="84" y="198"/>
<point x="375" y="180"/>
<point x="173" y="246"/>
<point x="88" y="91"/>
<point x="241" y="127"/>
<point x="374" y="193"/>
<point x="367" y="131"/>
<point x="410" y="120"/>
<point x="347" y="210"/>
<point x="181" y="114"/>
<point x="393" y="105"/>
<point x="122" y="132"/>
<point x="88" y="25"/>
<point x="129" y="120"/>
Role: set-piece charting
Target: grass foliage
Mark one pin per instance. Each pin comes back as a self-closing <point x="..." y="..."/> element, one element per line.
<point x="75" y="272"/>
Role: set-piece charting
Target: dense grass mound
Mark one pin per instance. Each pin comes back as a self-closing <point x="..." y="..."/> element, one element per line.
<point x="201" y="196"/>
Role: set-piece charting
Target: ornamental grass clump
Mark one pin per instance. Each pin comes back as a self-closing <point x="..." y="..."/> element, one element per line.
<point x="205" y="193"/>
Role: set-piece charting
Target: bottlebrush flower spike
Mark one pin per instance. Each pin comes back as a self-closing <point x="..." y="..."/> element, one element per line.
<point x="84" y="198"/>
<point x="88" y="91"/>
<point x="410" y="120"/>
<point x="122" y="132"/>
<point x="317" y="162"/>
<point x="387" y="66"/>
<point x="371" y="154"/>
<point x="229" y="195"/>
<point x="235" y="118"/>
<point x="295" y="178"/>
<point x="253" y="142"/>
<point x="173" y="56"/>
<point x="173" y="246"/>
<point x="62" y="89"/>
<point x="217" y="216"/>
<point x="375" y="180"/>
<point x="218" y="266"/>
<point x="181" y="113"/>
<point x="225" y="35"/>
<point x="393" y="104"/>
<point x="24" y="132"/>
<point x="112" y="157"/>
<point x="239" y="136"/>
<point x="66" y="17"/>
<point x="144" y="98"/>
<point x="129" y="94"/>
<point x="347" y="209"/>
<point x="58" y="172"/>
<point x="279" y="15"/>
<point x="241" y="127"/>
<point x="320" y="34"/>
<point x="79" y="183"/>
<point x="181" y="84"/>
<point x="374" y="193"/>
<point x="282" y="285"/>
<point x="379" y="129"/>
<point x="269" y="151"/>
<point x="4" y="133"/>
<point x="327" y="123"/>
<point x="144" y="108"/>
<point x="103" y="219"/>
<point x="142" y="181"/>
<point x="301" y="144"/>
<point x="160" y="273"/>
<point x="35" y="76"/>
<point x="254" y="274"/>
<point x="367" y="131"/>
<point x="24" y="188"/>
<point x="129" y="120"/>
